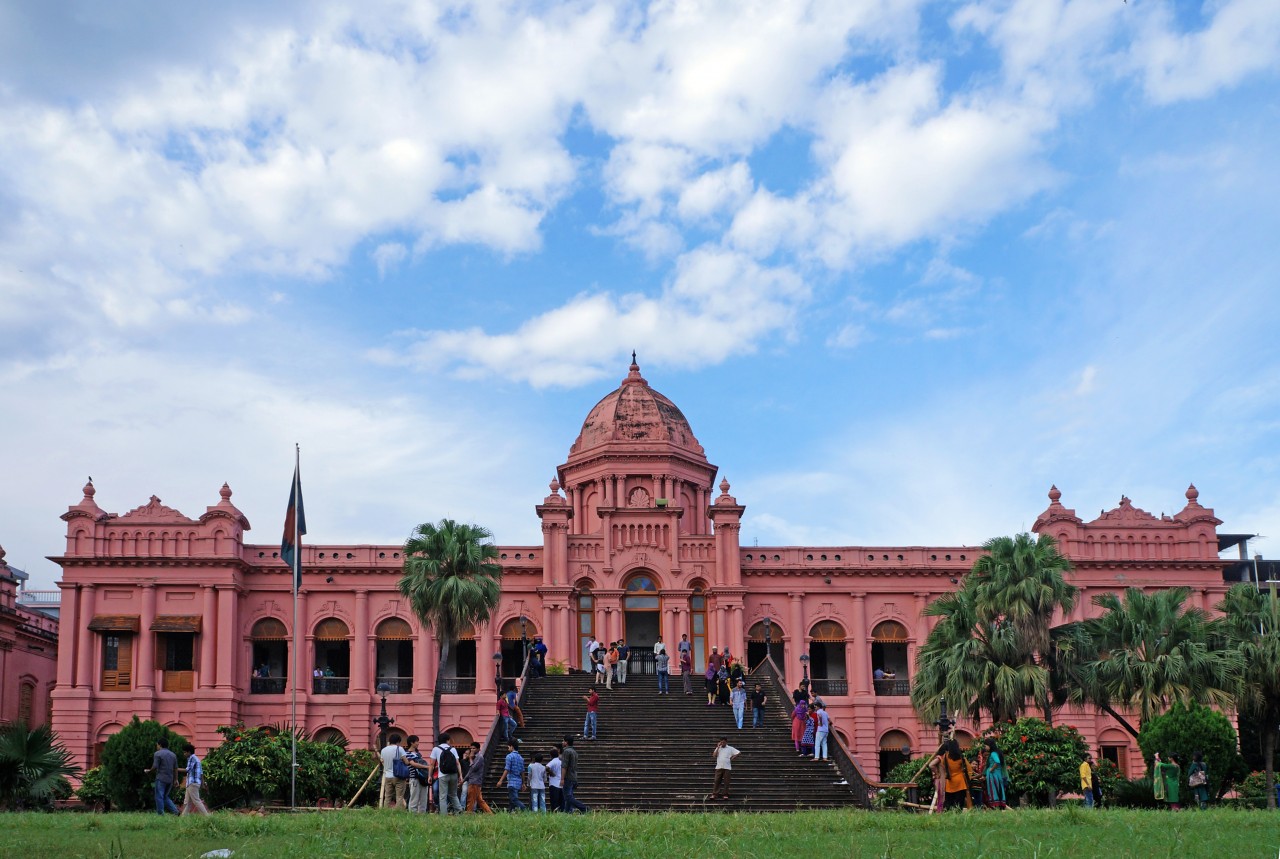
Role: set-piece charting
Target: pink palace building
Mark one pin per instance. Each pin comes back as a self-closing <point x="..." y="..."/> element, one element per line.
<point x="179" y="619"/>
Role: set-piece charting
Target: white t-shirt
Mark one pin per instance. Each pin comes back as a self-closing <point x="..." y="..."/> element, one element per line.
<point x="389" y="754"/>
<point x="553" y="772"/>
<point x="659" y="647"/>
<point x="724" y="757"/>
<point x="537" y="777"/>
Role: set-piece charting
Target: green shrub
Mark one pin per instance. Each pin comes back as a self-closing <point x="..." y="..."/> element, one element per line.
<point x="93" y="790"/>
<point x="33" y="766"/>
<point x="1182" y="731"/>
<point x="906" y="771"/>
<point x="557" y="668"/>
<point x="1109" y="779"/>
<point x="1134" y="793"/>
<point x="251" y="766"/>
<point x="127" y="754"/>
<point x="1254" y="786"/>
<point x="1042" y="760"/>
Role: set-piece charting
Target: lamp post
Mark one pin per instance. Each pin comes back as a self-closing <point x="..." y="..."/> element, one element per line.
<point x="768" y="638"/>
<point x="382" y="720"/>
<point x="497" y="669"/>
<point x="524" y="641"/>
<point x="944" y="723"/>
<point x="804" y="663"/>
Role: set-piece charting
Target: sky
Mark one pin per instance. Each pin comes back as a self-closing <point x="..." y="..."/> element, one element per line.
<point x="903" y="265"/>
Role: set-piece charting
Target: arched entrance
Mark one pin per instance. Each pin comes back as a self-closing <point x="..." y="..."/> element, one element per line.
<point x="826" y="659"/>
<point x="756" y="646"/>
<point x="332" y="670"/>
<point x="586" y="623"/>
<point x="642" y="621"/>
<point x="698" y="629"/>
<point x="270" y="667"/>
<point x="394" y="655"/>
<point x="517" y="637"/>
<point x="895" y="747"/>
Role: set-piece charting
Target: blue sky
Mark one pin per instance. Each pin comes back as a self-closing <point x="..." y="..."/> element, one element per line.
<point x="902" y="264"/>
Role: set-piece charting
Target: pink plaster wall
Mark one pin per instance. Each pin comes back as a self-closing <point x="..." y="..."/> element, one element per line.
<point x="28" y="653"/>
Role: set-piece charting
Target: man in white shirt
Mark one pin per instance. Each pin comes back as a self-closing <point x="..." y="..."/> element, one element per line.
<point x="555" y="793"/>
<point x="448" y="776"/>
<point x="592" y="647"/>
<point x="393" y="789"/>
<point x="659" y="647"/>
<point x="724" y="755"/>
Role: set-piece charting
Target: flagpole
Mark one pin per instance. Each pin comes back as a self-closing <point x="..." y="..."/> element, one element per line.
<point x="295" y="574"/>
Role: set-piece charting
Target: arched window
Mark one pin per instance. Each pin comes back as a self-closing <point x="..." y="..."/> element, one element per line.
<point x="890" y="668"/>
<point x="331" y="674"/>
<point x="270" y="669"/>
<point x="698" y="629"/>
<point x="395" y="655"/>
<point x="586" y="623"/>
<point x="26" y="702"/>
<point x="756" y="646"/>
<point x="333" y="736"/>
<point x="459" y="673"/>
<point x="826" y="659"/>
<point x="895" y="747"/>
<point x="516" y="640"/>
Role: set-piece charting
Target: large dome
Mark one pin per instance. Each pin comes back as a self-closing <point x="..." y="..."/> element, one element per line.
<point x="634" y="412"/>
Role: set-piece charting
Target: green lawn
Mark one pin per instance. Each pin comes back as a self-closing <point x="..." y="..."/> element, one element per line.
<point x="1070" y="833"/>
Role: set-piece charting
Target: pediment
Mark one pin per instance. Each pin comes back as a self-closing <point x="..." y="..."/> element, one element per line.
<point x="154" y="511"/>
<point x="1126" y="514"/>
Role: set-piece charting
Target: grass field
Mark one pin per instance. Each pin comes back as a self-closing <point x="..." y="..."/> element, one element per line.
<point x="1070" y="833"/>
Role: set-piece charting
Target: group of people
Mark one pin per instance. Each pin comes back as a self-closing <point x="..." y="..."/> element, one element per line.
<point x="441" y="779"/>
<point x="810" y="724"/>
<point x="955" y="778"/>
<point x="164" y="763"/>
<point x="609" y="664"/>
<point x="551" y="785"/>
<point x="1166" y="780"/>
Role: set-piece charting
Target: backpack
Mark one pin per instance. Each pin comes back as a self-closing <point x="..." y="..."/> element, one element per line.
<point x="400" y="769"/>
<point x="448" y="763"/>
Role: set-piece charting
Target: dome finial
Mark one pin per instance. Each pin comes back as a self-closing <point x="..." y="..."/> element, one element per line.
<point x="633" y="374"/>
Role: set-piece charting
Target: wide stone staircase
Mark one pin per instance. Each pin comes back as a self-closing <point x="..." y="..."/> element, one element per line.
<point x="654" y="752"/>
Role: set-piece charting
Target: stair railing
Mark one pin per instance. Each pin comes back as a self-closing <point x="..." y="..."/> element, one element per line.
<point x="844" y="759"/>
<point x="496" y="728"/>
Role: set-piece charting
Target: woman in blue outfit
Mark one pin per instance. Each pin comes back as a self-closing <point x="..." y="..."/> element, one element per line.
<point x="997" y="776"/>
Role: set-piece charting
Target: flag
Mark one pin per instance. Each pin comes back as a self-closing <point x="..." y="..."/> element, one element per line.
<point x="295" y="525"/>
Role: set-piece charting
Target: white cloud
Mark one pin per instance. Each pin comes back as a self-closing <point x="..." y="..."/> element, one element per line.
<point x="717" y="304"/>
<point x="388" y="255"/>
<point x="1241" y="39"/>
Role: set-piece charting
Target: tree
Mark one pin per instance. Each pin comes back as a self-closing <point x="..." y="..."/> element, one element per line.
<point x="1043" y="760"/>
<point x="34" y="766"/>
<point x="1146" y="651"/>
<point x="978" y="664"/>
<point x="452" y="582"/>
<point x="1250" y="628"/>
<point x="1185" y="730"/>
<point x="992" y="651"/>
<point x="124" y="757"/>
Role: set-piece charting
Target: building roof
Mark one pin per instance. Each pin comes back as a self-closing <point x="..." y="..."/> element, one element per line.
<point x="634" y="413"/>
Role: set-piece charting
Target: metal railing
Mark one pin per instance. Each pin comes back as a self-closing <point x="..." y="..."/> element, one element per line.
<point x="642" y="662"/>
<point x="399" y="685"/>
<point x="330" y="685"/>
<point x="268" y="685"/>
<point x="823" y="686"/>
<point x="457" y="685"/>
<point x="892" y="686"/>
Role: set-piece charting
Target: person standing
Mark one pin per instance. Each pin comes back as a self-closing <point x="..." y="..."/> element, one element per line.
<point x="513" y="777"/>
<point x="592" y="646"/>
<point x="663" y="664"/>
<point x="538" y="784"/>
<point x="686" y="670"/>
<point x="194" y="772"/>
<point x="997" y="777"/>
<point x="799" y="716"/>
<point x="659" y="647"/>
<point x="555" y="784"/>
<point x="758" y="700"/>
<point x="822" y="734"/>
<point x="419" y="776"/>
<point x="612" y="673"/>
<point x="1086" y="780"/>
<point x="504" y="712"/>
<point x="475" y="781"/>
<point x="393" y="787"/>
<point x="1166" y="780"/>
<point x="724" y="755"/>
<point x="1198" y="779"/>
<point x="164" y="763"/>
<point x="624" y="659"/>
<point x="593" y="707"/>
<point x="445" y="759"/>
<point x="513" y="704"/>
<point x="540" y="654"/>
<point x="569" y="775"/>
<point x="810" y="732"/>
<point x="738" y="698"/>
<point x="710" y="678"/>
<point x="955" y="771"/>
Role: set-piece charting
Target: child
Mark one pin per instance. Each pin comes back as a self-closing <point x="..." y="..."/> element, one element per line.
<point x="538" y="784"/>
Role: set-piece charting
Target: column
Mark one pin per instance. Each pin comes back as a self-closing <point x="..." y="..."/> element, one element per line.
<point x="69" y="602"/>
<point x="84" y="658"/>
<point x="145" y="668"/>
<point x="548" y="625"/>
<point x="861" y="656"/>
<point x="799" y="642"/>
<point x="670" y="634"/>
<point x="425" y="655"/>
<point x="209" y="639"/>
<point x="360" y="650"/>
<point x="486" y="671"/>
<point x="228" y="622"/>
<point x="700" y="515"/>
<point x="302" y="646"/>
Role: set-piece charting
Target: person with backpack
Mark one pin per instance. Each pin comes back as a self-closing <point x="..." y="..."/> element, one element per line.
<point x="418" y="774"/>
<point x="447" y="769"/>
<point x="513" y="777"/>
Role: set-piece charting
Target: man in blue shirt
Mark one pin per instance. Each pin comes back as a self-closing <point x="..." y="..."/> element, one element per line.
<point x="163" y="763"/>
<point x="195" y="778"/>
<point x="513" y="775"/>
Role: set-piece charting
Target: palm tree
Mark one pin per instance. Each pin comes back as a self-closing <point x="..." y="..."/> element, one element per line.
<point x="1146" y="651"/>
<point x="1250" y="627"/>
<point x="32" y="765"/>
<point x="993" y="649"/>
<point x="452" y="582"/>
<point x="977" y="663"/>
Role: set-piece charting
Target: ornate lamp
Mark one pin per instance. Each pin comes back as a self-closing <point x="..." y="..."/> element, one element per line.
<point x="804" y="663"/>
<point x="768" y="638"/>
<point x="382" y="720"/>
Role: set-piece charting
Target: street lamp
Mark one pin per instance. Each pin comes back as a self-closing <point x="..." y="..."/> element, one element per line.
<point x="382" y="720"/>
<point x="768" y="638"/>
<point x="944" y="723"/>
<point x="497" y="669"/>
<point x="804" y="663"/>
